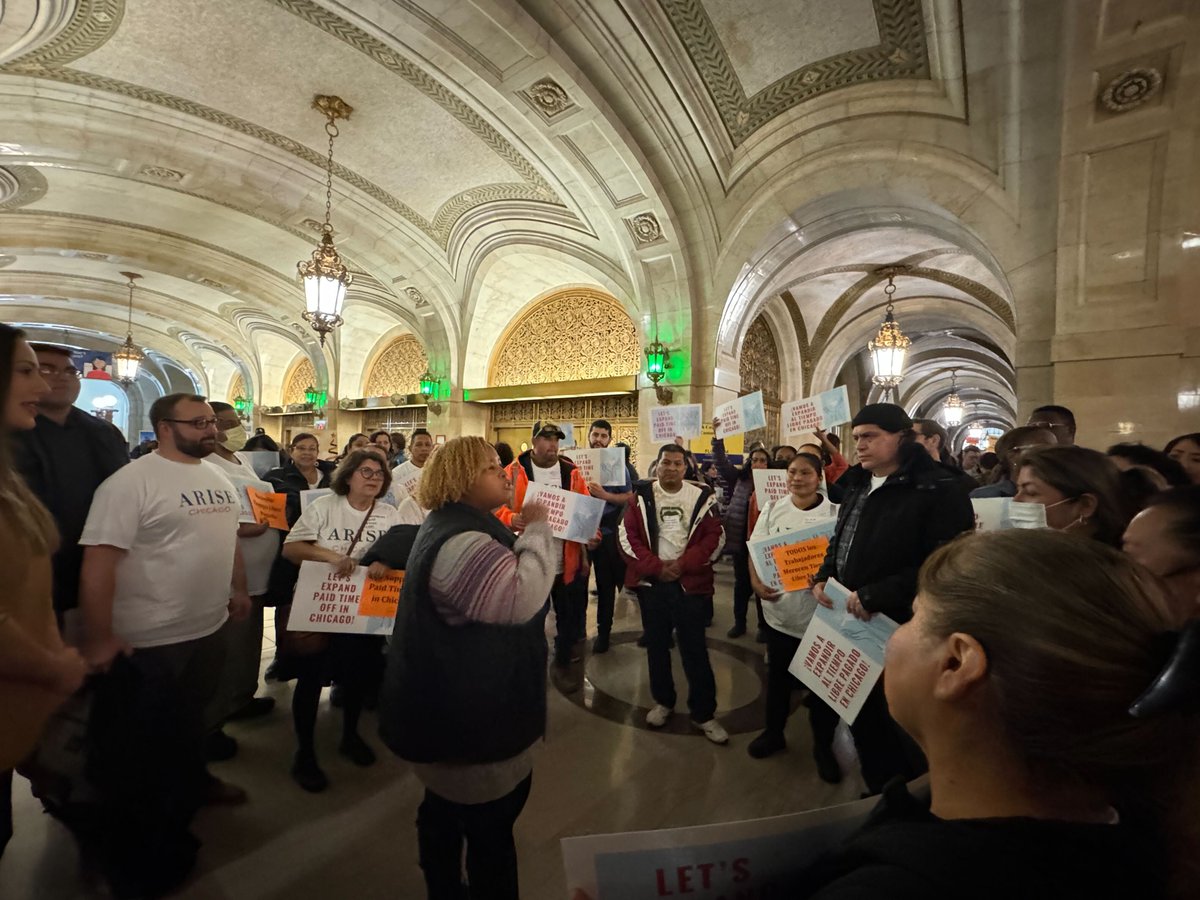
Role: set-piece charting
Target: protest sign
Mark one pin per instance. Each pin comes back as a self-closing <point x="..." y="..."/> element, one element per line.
<point x="567" y="441"/>
<point x="307" y="497"/>
<point x="573" y="516"/>
<point x="756" y="858"/>
<point x="822" y="411"/>
<point x="841" y="657"/>
<point x="261" y="461"/>
<point x="791" y="570"/>
<point x="769" y="484"/>
<point x="1002" y="513"/>
<point x="247" y="512"/>
<point x="740" y="415"/>
<point x="406" y="477"/>
<point x="670" y="422"/>
<point x="268" y="507"/>
<point x="604" y="466"/>
<point x="345" y="604"/>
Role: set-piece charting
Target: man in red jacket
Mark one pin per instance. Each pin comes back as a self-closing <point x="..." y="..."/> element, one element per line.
<point x="671" y="534"/>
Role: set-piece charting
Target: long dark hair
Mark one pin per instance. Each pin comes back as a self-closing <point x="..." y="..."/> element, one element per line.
<point x="747" y="469"/>
<point x="17" y="502"/>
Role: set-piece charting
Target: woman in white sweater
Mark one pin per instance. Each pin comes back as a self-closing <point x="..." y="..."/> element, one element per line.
<point x="787" y="614"/>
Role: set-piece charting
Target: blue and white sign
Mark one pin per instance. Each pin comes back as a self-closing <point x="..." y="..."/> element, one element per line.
<point x="740" y="415"/>
<point x="821" y="411"/>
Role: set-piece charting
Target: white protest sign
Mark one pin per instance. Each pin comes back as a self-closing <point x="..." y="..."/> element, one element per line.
<point x="757" y="858"/>
<point x="307" y="497"/>
<point x="1002" y="513"/>
<point x="841" y="657"/>
<point x="669" y="422"/>
<point x="344" y="604"/>
<point x="801" y="553"/>
<point x="604" y="465"/>
<point x="568" y="440"/>
<point x="740" y="415"/>
<point x="822" y="411"/>
<point x="405" y="479"/>
<point x="573" y="516"/>
<point x="261" y="461"/>
<point x="769" y="484"/>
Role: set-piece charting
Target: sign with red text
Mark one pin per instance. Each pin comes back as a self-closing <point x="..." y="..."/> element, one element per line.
<point x="769" y="484"/>
<point x="841" y="656"/>
<point x="604" y="465"/>
<point x="822" y="411"/>
<point x="740" y="415"/>
<point x="670" y="422"/>
<point x="788" y="560"/>
<point x="572" y="516"/>
<point x="344" y="604"/>
<point x="267" y="507"/>
<point x="759" y="858"/>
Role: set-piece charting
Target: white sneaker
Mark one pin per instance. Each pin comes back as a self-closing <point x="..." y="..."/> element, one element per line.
<point x="658" y="716"/>
<point x="712" y="730"/>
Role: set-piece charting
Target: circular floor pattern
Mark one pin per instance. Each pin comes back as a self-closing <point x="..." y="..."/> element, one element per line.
<point x="615" y="685"/>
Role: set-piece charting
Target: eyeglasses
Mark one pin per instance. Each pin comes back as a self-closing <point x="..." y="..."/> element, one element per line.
<point x="53" y="372"/>
<point x="369" y="473"/>
<point x="199" y="423"/>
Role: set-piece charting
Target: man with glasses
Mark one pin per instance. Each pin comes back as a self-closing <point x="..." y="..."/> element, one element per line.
<point x="1058" y="420"/>
<point x="63" y="460"/>
<point x="160" y="561"/>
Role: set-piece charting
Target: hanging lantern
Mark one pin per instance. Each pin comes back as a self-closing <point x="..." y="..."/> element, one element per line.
<point x="128" y="358"/>
<point x="889" y="347"/>
<point x="429" y="384"/>
<point x="325" y="276"/>
<point x="952" y="409"/>
<point x="315" y="398"/>
<point x="242" y="406"/>
<point x="656" y="361"/>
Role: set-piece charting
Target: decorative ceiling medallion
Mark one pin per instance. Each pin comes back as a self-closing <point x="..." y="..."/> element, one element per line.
<point x="1131" y="89"/>
<point x="645" y="229"/>
<point x="416" y="297"/>
<point x="315" y="225"/>
<point x="20" y="186"/>
<point x="900" y="53"/>
<point x="548" y="98"/>
<point x="161" y="173"/>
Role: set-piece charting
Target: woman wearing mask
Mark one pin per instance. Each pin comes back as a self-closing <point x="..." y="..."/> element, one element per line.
<point x="1165" y="538"/>
<point x="37" y="672"/>
<point x="787" y="616"/>
<point x="741" y="486"/>
<point x="339" y="529"/>
<point x="1079" y="487"/>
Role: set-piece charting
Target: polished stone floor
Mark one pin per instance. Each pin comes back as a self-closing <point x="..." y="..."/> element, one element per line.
<point x="594" y="774"/>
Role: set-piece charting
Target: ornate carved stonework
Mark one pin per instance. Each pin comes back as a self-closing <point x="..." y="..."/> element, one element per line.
<point x="567" y="337"/>
<point x="162" y="173"/>
<point x="237" y="388"/>
<point x="303" y="377"/>
<point x="548" y="98"/>
<point x="1131" y="89"/>
<point x="900" y="53"/>
<point x="760" y="370"/>
<point x="398" y="369"/>
<point x="620" y="411"/>
<point x="418" y="299"/>
<point x="20" y="186"/>
<point x="645" y="229"/>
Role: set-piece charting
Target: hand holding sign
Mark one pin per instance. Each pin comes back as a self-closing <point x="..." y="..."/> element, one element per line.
<point x="269" y="508"/>
<point x="821" y="411"/>
<point x="740" y="415"/>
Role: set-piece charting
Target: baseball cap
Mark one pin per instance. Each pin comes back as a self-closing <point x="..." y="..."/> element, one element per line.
<point x="548" y="429"/>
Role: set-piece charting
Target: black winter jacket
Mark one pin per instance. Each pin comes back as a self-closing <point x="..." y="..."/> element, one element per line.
<point x="921" y="506"/>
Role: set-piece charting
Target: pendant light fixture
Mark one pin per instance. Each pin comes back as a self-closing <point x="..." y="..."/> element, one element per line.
<point x="890" y="345"/>
<point x="952" y="409"/>
<point x="325" y="276"/>
<point x="128" y="358"/>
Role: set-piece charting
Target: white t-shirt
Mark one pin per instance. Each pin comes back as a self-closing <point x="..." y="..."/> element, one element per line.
<point x="674" y="512"/>
<point x="332" y="522"/>
<point x="411" y="512"/>
<point x="405" y="478"/>
<point x="258" y="552"/>
<point x="552" y="476"/>
<point x="876" y="483"/>
<point x="178" y="523"/>
<point x="792" y="612"/>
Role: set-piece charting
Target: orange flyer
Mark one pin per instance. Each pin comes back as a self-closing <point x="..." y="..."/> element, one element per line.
<point x="798" y="563"/>
<point x="269" y="508"/>
<point x="381" y="596"/>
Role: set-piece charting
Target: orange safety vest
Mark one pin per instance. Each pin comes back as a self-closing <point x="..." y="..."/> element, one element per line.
<point x="575" y="561"/>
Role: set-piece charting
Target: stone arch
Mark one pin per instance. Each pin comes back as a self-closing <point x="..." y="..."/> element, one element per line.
<point x="300" y="377"/>
<point x="397" y="369"/>
<point x="570" y="335"/>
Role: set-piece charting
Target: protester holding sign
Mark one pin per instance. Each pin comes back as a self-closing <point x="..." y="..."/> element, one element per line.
<point x="787" y="614"/>
<point x="542" y="465"/>
<point x="464" y="699"/>
<point x="339" y="530"/>
<point x="670" y="536"/>
<point x="741" y="485"/>
<point x="897" y="508"/>
<point x="1041" y="675"/>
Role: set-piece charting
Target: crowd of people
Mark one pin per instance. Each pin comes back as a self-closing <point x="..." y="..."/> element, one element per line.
<point x="1045" y="680"/>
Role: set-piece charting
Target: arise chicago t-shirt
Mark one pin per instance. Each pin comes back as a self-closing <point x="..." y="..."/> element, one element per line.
<point x="332" y="523"/>
<point x="178" y="524"/>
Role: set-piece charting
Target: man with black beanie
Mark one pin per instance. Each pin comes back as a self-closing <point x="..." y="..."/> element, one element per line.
<point x="898" y="506"/>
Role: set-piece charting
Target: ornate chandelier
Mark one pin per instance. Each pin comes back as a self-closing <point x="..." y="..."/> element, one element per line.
<point x="325" y="276"/>
<point x="127" y="359"/>
<point x="889" y="347"/>
<point x="952" y="409"/>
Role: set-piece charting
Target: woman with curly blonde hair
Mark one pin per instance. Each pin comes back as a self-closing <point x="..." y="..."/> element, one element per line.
<point x="464" y="697"/>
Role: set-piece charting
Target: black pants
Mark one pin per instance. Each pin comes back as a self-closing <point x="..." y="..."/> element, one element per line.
<point x="884" y="749"/>
<point x="742" y="590"/>
<point x="664" y="607"/>
<point x="780" y="684"/>
<point x="610" y="576"/>
<point x="570" y="615"/>
<point x="147" y="758"/>
<point x="443" y="825"/>
<point x="354" y="662"/>
<point x="6" y="822"/>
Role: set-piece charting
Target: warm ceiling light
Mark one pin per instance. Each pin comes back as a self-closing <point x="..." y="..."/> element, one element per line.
<point x="889" y="347"/>
<point x="325" y="276"/>
<point x="128" y="358"/>
<point x="952" y="409"/>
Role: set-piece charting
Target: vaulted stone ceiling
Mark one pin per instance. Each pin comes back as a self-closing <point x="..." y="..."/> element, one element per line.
<point x="496" y="150"/>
